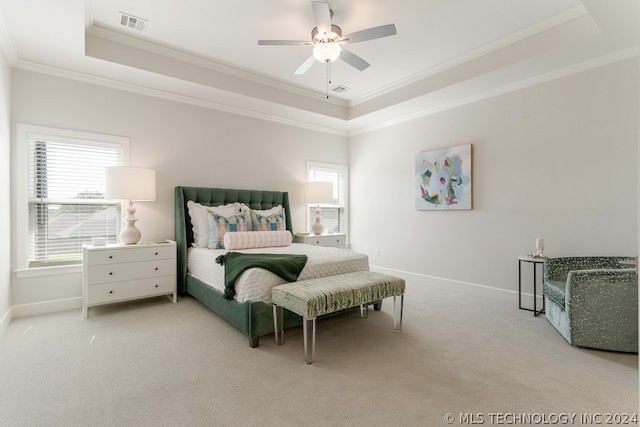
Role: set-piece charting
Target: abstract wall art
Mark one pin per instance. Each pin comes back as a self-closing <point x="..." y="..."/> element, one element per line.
<point x="443" y="178"/>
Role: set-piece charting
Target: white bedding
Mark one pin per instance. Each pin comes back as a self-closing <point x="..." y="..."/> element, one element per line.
<point x="255" y="284"/>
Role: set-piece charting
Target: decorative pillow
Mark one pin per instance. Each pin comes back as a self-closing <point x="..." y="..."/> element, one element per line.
<point x="257" y="239"/>
<point x="219" y="225"/>
<point x="253" y="226"/>
<point x="200" y="222"/>
<point x="273" y="222"/>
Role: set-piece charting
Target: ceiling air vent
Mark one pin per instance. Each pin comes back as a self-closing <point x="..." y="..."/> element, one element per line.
<point x="132" y="22"/>
<point x="340" y="89"/>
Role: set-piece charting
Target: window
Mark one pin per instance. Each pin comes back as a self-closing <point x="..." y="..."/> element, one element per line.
<point x="63" y="193"/>
<point x="334" y="215"/>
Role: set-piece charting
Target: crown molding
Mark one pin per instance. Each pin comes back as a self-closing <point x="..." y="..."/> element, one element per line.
<point x="184" y="99"/>
<point x="265" y="111"/>
<point x="538" y="28"/>
<point x="215" y="66"/>
<point x="512" y="87"/>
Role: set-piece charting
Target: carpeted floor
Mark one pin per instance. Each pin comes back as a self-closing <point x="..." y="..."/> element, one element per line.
<point x="465" y="351"/>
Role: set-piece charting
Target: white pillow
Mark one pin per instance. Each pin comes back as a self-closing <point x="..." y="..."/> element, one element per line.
<point x="200" y="222"/>
<point x="268" y="212"/>
<point x="257" y="239"/>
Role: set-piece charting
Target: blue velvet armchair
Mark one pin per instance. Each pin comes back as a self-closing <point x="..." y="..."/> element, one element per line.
<point x="593" y="301"/>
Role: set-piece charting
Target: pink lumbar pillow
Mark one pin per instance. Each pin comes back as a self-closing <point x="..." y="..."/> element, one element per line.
<point x="257" y="239"/>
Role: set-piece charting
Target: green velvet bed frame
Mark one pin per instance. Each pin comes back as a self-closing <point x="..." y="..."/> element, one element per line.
<point x="254" y="319"/>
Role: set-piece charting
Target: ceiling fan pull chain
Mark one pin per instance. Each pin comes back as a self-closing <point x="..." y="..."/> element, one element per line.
<point x="328" y="77"/>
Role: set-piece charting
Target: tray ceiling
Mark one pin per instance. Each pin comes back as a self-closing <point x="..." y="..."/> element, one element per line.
<point x="446" y="52"/>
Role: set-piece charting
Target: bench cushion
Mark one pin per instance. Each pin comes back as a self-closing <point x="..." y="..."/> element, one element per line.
<point x="324" y="295"/>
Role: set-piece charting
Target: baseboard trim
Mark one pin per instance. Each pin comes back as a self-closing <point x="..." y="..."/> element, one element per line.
<point x="408" y="274"/>
<point x="45" y="307"/>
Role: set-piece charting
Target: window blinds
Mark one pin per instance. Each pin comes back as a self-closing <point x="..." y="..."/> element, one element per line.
<point x="66" y="199"/>
<point x="331" y="216"/>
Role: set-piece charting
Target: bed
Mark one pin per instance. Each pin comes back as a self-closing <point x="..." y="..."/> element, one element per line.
<point x="250" y="311"/>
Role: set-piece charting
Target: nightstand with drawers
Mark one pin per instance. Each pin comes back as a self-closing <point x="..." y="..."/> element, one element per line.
<point x="335" y="240"/>
<point x="116" y="273"/>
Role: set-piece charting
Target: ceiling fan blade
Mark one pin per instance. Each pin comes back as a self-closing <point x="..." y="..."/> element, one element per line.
<point x="354" y="60"/>
<point x="282" y="42"/>
<point x="322" y="15"/>
<point x="372" y="33"/>
<point x="305" y="65"/>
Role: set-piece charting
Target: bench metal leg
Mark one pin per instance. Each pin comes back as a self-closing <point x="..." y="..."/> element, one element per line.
<point x="309" y="336"/>
<point x="278" y="324"/>
<point x="364" y="311"/>
<point x="397" y="312"/>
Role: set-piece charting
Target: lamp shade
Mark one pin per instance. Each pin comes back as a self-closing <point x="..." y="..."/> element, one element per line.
<point x="327" y="52"/>
<point x="130" y="183"/>
<point x="318" y="192"/>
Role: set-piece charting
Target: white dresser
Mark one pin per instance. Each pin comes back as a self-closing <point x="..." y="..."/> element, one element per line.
<point x="335" y="240"/>
<point x="116" y="273"/>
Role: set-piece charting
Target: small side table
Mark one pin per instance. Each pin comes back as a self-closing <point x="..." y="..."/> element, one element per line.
<point x="535" y="261"/>
<point x="118" y="272"/>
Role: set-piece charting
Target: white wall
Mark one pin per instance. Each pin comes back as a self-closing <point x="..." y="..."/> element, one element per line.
<point x="186" y="145"/>
<point x="557" y="161"/>
<point x="5" y="209"/>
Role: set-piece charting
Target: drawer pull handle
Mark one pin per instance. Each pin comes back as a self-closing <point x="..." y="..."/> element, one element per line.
<point x="110" y="274"/>
<point x="110" y="256"/>
<point x="110" y="292"/>
<point x="156" y="286"/>
<point x="156" y="268"/>
<point x="156" y="253"/>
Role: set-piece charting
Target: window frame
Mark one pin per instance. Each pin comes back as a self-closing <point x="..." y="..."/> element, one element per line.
<point x="25" y="132"/>
<point x="343" y="203"/>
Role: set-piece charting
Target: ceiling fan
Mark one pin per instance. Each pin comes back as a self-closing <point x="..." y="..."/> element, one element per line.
<point x="329" y="42"/>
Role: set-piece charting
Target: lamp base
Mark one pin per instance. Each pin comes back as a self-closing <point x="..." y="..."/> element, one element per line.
<point x="317" y="227"/>
<point x="130" y="235"/>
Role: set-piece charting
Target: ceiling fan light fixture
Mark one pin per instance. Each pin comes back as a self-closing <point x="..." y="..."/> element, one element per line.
<point x="327" y="40"/>
<point x="326" y="52"/>
<point x="334" y="35"/>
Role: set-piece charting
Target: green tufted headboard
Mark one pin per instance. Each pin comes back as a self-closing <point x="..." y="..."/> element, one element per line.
<point x="183" y="233"/>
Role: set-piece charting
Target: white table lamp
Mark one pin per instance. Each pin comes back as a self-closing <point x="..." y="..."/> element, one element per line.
<point x="316" y="193"/>
<point x="130" y="183"/>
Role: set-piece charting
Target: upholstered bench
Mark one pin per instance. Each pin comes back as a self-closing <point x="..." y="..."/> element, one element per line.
<point x="325" y="295"/>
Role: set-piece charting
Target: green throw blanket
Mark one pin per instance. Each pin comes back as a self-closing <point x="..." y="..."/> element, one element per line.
<point x="235" y="263"/>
